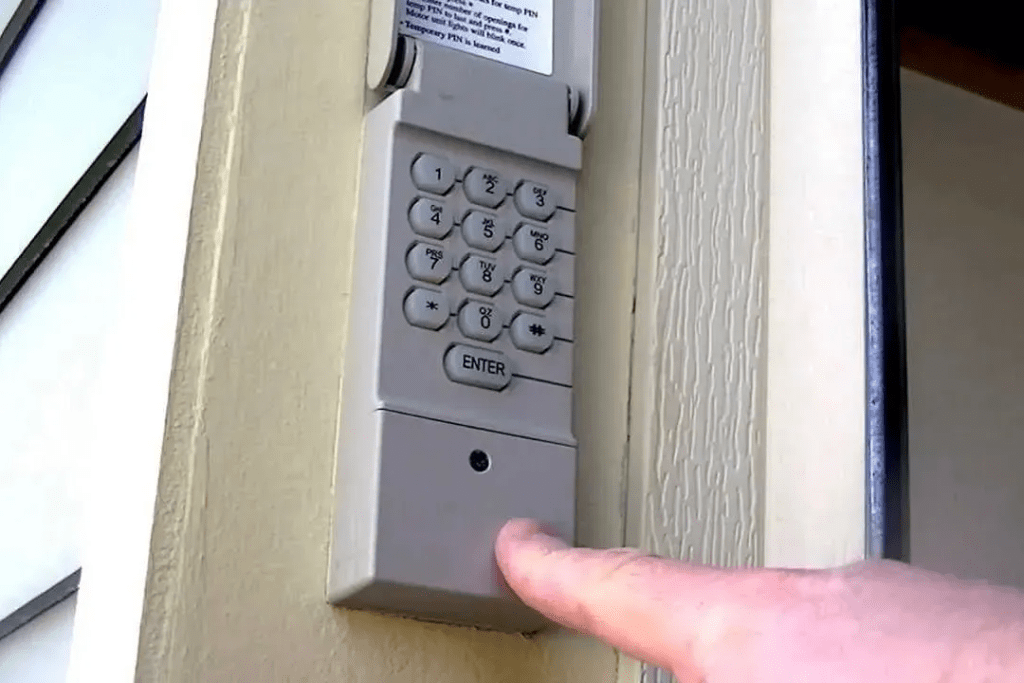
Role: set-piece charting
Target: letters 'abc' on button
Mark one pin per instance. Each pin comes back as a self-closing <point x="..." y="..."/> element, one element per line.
<point x="478" y="367"/>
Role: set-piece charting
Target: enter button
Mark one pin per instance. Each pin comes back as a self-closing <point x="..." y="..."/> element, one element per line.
<point x="478" y="367"/>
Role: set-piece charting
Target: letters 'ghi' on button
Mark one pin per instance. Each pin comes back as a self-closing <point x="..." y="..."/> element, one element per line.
<point x="430" y="218"/>
<point x="478" y="367"/>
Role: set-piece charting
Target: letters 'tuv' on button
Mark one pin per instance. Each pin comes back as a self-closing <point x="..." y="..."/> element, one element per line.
<point x="478" y="367"/>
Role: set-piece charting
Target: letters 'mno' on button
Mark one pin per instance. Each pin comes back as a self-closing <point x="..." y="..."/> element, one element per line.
<point x="478" y="367"/>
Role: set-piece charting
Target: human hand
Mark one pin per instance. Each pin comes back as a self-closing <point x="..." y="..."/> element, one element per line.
<point x="869" y="622"/>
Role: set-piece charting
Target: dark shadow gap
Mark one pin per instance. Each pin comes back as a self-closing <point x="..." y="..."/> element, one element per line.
<point x="887" y="504"/>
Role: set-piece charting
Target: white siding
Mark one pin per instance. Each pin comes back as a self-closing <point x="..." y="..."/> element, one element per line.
<point x="80" y="71"/>
<point x="51" y="338"/>
<point x="38" y="652"/>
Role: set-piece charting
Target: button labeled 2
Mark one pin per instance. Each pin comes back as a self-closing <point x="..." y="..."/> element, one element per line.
<point x="478" y="367"/>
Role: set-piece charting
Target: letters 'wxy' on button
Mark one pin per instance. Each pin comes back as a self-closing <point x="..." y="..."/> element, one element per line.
<point x="478" y="367"/>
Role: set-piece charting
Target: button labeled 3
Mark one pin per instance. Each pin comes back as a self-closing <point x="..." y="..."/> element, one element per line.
<point x="480" y="321"/>
<point x="532" y="287"/>
<point x="531" y="333"/>
<point x="428" y="262"/>
<point x="432" y="173"/>
<point x="424" y="308"/>
<point x="484" y="187"/>
<point x="430" y="218"/>
<point x="481" y="231"/>
<point x="481" y="275"/>
<point x="534" y="200"/>
<point x="478" y="367"/>
<point x="534" y="243"/>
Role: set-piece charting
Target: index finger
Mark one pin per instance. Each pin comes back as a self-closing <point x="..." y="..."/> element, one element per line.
<point x="664" y="612"/>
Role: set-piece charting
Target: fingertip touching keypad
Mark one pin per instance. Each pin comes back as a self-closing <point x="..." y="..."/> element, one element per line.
<point x="483" y="269"/>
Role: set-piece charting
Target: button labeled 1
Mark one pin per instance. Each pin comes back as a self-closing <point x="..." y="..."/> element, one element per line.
<point x="478" y="367"/>
<point x="428" y="262"/>
<point x="432" y="173"/>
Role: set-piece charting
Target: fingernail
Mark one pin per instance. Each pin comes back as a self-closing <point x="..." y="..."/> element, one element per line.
<point x="531" y="531"/>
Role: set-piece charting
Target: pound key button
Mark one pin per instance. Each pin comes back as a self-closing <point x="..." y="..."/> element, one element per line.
<point x="478" y="367"/>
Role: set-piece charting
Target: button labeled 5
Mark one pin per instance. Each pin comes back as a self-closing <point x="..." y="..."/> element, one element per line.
<point x="481" y="231"/>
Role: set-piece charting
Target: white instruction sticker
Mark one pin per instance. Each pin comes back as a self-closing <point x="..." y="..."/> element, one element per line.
<point x="516" y="32"/>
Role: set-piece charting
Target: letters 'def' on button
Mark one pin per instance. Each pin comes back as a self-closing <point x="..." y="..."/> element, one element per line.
<point x="478" y="367"/>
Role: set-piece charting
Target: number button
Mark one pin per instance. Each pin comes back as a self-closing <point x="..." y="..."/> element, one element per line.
<point x="424" y="308"/>
<point x="479" y="320"/>
<point x="532" y="288"/>
<point x="428" y="262"/>
<point x="533" y="243"/>
<point x="534" y="200"/>
<point x="481" y="231"/>
<point x="430" y="218"/>
<point x="531" y="333"/>
<point x="484" y="187"/>
<point x="433" y="174"/>
<point x="481" y="275"/>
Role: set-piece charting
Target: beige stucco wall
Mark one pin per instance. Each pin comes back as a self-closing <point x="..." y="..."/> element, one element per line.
<point x="963" y="165"/>
<point x="236" y="584"/>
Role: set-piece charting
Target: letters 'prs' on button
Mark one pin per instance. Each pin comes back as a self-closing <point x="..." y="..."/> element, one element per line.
<point x="478" y="367"/>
